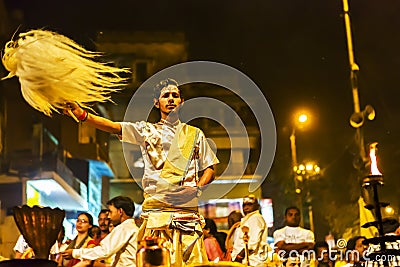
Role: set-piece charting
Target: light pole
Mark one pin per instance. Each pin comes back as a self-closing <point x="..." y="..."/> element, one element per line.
<point x="308" y="171"/>
<point x="358" y="116"/>
<point x="300" y="121"/>
<point x="296" y="177"/>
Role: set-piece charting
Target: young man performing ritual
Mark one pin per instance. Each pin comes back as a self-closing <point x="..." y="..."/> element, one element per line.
<point x="174" y="153"/>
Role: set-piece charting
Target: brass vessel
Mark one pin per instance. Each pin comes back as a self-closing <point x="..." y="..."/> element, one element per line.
<point x="40" y="227"/>
<point x="151" y="252"/>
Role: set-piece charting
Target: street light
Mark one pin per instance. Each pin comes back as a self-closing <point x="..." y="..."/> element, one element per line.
<point x="305" y="172"/>
<point x="308" y="169"/>
<point x="301" y="120"/>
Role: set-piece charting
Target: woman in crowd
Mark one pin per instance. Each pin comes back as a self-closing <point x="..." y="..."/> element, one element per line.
<point x="213" y="248"/>
<point x="83" y="225"/>
<point x="354" y="255"/>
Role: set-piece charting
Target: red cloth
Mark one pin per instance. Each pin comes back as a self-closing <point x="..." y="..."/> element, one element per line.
<point x="72" y="262"/>
<point x="94" y="242"/>
<point x="213" y="249"/>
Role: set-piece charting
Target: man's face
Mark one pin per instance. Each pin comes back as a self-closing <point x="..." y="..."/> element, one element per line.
<point x="360" y="247"/>
<point x="249" y="207"/>
<point x="323" y="254"/>
<point x="95" y="231"/>
<point x="169" y="100"/>
<point x="103" y="221"/>
<point x="292" y="218"/>
<point x="114" y="215"/>
<point x="293" y="262"/>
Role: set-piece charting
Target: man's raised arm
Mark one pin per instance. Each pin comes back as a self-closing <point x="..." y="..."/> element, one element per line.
<point x="94" y="120"/>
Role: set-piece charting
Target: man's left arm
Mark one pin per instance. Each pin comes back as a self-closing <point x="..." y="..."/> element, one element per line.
<point x="207" y="177"/>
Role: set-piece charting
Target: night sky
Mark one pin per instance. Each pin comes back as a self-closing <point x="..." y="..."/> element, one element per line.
<point x="294" y="50"/>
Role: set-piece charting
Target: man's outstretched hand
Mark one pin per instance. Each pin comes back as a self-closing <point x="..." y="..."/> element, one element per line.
<point x="73" y="110"/>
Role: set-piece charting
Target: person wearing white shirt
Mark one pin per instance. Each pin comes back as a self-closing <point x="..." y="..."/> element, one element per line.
<point x="291" y="262"/>
<point x="24" y="251"/>
<point x="292" y="238"/>
<point x="22" y="248"/>
<point x="257" y="231"/>
<point x="178" y="164"/>
<point x="121" y="243"/>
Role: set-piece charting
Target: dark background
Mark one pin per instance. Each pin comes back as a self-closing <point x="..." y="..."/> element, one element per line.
<point x="295" y="51"/>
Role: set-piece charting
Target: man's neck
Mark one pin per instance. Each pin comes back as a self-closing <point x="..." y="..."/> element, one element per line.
<point x="170" y="123"/>
<point x="104" y="234"/>
<point x="251" y="213"/>
<point x="171" y="117"/>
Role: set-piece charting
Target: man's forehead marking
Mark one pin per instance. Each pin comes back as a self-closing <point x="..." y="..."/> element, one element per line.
<point x="169" y="88"/>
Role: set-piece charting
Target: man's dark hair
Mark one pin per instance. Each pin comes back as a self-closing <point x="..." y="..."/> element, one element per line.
<point x="234" y="217"/>
<point x="351" y="244"/>
<point x="292" y="208"/>
<point x="162" y="84"/>
<point x="105" y="211"/>
<point x="320" y="244"/>
<point x="124" y="203"/>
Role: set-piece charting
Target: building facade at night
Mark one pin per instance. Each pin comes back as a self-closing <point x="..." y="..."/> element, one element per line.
<point x="57" y="162"/>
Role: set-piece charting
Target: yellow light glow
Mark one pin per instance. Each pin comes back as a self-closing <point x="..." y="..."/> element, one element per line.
<point x="317" y="169"/>
<point x="309" y="167"/>
<point x="374" y="161"/>
<point x="303" y="118"/>
<point x="389" y="210"/>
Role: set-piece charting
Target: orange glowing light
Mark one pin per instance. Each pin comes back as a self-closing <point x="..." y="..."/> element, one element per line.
<point x="374" y="163"/>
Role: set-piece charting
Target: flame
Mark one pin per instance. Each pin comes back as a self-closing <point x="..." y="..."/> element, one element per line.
<point x="372" y="155"/>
